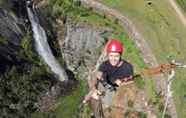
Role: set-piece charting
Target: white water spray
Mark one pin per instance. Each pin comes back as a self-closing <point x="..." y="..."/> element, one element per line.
<point x="43" y="47"/>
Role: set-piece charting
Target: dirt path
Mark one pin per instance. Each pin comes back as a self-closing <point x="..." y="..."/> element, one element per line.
<point x="178" y="11"/>
<point x="136" y="36"/>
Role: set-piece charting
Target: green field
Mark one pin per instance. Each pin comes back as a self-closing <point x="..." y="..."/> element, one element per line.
<point x="157" y="21"/>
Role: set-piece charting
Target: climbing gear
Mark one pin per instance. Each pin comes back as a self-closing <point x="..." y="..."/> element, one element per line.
<point x="115" y="46"/>
<point x="108" y="86"/>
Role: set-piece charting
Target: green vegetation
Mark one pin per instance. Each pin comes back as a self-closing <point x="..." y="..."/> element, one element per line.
<point x="64" y="9"/>
<point x="73" y="10"/>
<point x="20" y="91"/>
<point x="179" y="89"/>
<point x="5" y="4"/>
<point x="162" y="30"/>
<point x="61" y="7"/>
<point x="158" y="24"/>
<point x="3" y="40"/>
<point x="28" y="53"/>
<point x="98" y="21"/>
<point x="182" y="4"/>
<point x="22" y="83"/>
<point x="69" y="105"/>
<point x="159" y="103"/>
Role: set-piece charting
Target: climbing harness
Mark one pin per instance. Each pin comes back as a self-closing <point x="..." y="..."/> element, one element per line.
<point x="108" y="86"/>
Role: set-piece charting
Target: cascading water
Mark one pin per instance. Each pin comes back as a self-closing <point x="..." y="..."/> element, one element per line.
<point x="43" y="48"/>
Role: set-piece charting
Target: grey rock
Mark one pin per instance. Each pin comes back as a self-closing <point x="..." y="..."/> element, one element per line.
<point x="82" y="47"/>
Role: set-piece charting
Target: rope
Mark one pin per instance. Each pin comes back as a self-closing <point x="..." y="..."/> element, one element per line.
<point x="100" y="60"/>
<point x="169" y="92"/>
<point x="180" y="65"/>
<point x="98" y="112"/>
<point x="170" y="80"/>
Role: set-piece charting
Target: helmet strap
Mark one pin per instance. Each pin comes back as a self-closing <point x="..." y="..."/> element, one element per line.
<point x="120" y="62"/>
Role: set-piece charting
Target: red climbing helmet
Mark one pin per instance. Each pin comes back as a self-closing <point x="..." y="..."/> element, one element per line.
<point x="114" y="46"/>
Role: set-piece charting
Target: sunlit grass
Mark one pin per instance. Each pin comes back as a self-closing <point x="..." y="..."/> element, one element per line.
<point x="182" y="4"/>
<point x="158" y="23"/>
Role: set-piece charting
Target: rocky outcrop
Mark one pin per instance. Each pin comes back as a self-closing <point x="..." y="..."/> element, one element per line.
<point x="12" y="30"/>
<point x="14" y="26"/>
<point x="21" y="70"/>
<point x="82" y="47"/>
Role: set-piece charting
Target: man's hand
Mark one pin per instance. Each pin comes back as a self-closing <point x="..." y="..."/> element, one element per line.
<point x="118" y="82"/>
<point x="93" y="94"/>
<point x="124" y="81"/>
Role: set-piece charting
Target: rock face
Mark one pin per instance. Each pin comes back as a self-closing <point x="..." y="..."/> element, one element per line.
<point x="82" y="46"/>
<point x="12" y="30"/>
<point x="14" y="25"/>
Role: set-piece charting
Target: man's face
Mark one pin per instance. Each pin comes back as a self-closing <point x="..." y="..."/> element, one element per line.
<point x="114" y="58"/>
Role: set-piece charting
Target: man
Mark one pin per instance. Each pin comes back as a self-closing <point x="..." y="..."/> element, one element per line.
<point x="113" y="72"/>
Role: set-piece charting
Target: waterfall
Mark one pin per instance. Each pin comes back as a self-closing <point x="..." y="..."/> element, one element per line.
<point x="43" y="48"/>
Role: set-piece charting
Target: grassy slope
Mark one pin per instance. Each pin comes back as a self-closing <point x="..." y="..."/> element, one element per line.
<point x="164" y="33"/>
<point x="68" y="106"/>
<point x="182" y="4"/>
<point x="182" y="82"/>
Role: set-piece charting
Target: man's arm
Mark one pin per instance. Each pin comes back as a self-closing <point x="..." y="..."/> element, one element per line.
<point x="124" y="81"/>
<point x="93" y="93"/>
<point x="94" y="81"/>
